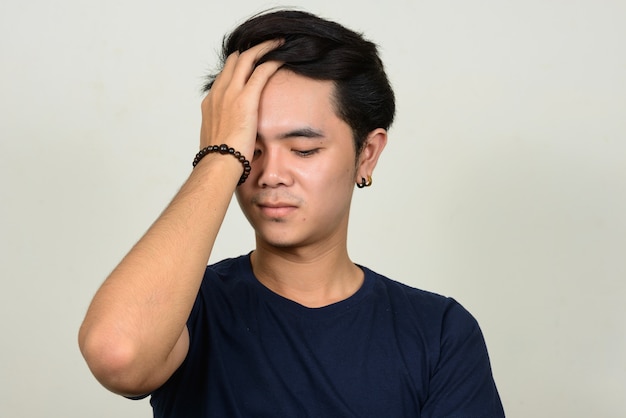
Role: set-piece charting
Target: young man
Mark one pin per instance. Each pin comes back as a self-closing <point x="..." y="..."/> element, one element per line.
<point x="294" y="328"/>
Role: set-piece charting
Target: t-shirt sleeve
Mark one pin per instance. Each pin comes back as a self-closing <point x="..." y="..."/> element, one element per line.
<point x="462" y="384"/>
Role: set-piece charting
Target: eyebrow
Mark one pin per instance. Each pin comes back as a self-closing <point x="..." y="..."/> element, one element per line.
<point x="306" y="132"/>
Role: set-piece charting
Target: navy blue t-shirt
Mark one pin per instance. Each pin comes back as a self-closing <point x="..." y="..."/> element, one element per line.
<point x="387" y="351"/>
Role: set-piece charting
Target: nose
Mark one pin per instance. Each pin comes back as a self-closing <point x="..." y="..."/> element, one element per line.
<point x="272" y="168"/>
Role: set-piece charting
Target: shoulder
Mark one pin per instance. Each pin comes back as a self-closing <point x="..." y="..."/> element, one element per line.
<point x="400" y="289"/>
<point x="460" y="378"/>
<point x="227" y="273"/>
<point x="423" y="302"/>
<point x="226" y="287"/>
<point x="440" y="319"/>
<point x="228" y="266"/>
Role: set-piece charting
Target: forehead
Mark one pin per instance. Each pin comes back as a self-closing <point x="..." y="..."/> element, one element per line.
<point x="290" y="98"/>
<point x="284" y="80"/>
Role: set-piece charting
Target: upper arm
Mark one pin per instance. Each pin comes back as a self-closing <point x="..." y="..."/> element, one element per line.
<point x="462" y="383"/>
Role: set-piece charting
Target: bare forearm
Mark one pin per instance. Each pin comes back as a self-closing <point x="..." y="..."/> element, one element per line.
<point x="139" y="313"/>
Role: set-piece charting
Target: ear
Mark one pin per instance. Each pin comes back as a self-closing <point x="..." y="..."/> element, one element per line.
<point x="373" y="147"/>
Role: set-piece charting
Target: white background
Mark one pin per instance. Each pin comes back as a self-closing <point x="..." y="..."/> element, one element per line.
<point x="503" y="184"/>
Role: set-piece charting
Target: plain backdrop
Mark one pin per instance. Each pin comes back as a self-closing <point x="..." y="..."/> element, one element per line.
<point x="503" y="183"/>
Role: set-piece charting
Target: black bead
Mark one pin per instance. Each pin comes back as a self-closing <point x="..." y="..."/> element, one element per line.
<point x="225" y="149"/>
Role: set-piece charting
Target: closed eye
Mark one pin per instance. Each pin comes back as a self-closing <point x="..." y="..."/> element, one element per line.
<point x="306" y="153"/>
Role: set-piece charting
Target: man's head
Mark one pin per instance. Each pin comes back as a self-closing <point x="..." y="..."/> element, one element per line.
<point x="324" y="50"/>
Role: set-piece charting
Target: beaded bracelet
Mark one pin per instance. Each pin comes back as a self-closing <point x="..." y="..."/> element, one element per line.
<point x="225" y="149"/>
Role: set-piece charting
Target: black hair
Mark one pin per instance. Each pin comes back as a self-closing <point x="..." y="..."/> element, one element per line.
<point x="324" y="50"/>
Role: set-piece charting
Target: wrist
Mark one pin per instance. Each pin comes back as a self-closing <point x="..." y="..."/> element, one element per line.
<point x="224" y="149"/>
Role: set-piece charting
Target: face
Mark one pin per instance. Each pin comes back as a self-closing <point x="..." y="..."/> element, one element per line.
<point x="303" y="171"/>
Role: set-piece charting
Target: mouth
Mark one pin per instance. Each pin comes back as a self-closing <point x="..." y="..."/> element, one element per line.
<point x="276" y="210"/>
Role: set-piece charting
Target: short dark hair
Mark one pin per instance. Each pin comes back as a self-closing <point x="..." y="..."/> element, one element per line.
<point x="324" y="50"/>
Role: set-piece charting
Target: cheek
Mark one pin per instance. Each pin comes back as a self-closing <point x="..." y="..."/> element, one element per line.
<point x="330" y="183"/>
<point x="336" y="168"/>
<point x="330" y="189"/>
<point x="242" y="194"/>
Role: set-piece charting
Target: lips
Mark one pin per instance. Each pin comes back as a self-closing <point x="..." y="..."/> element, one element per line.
<point x="275" y="204"/>
<point x="276" y="209"/>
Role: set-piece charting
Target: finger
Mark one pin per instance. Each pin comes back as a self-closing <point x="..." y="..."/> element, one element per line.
<point x="260" y="76"/>
<point x="221" y="82"/>
<point x="247" y="60"/>
<point x="265" y="47"/>
<point x="223" y="78"/>
<point x="243" y="65"/>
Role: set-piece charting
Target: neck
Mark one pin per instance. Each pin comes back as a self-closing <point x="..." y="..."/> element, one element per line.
<point x="313" y="279"/>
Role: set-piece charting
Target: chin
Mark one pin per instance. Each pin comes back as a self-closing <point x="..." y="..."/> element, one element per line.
<point x="277" y="242"/>
<point x="278" y="239"/>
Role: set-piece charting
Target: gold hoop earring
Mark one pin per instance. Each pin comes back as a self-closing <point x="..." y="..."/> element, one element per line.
<point x="364" y="182"/>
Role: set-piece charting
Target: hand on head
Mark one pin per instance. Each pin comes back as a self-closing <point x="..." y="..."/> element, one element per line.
<point x="230" y="109"/>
